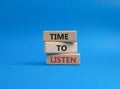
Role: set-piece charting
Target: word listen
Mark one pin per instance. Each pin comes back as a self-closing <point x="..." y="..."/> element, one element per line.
<point x="66" y="59"/>
<point x="63" y="36"/>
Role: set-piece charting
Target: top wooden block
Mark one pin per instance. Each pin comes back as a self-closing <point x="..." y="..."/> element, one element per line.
<point x="61" y="36"/>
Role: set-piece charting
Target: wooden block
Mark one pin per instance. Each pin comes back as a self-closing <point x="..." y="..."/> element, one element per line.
<point x="61" y="36"/>
<point x="60" y="47"/>
<point x="69" y="58"/>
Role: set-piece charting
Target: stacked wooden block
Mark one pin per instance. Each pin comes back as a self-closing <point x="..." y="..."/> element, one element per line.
<point x="61" y="47"/>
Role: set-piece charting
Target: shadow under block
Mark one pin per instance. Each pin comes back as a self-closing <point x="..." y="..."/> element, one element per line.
<point x="60" y="47"/>
<point x="61" y="36"/>
<point x="68" y="58"/>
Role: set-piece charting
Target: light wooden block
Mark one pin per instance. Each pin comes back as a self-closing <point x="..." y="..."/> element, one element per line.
<point x="60" y="47"/>
<point x="61" y="36"/>
<point x="69" y="58"/>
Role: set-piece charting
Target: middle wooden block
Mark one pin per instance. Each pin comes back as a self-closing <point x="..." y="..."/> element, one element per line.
<point x="60" y="47"/>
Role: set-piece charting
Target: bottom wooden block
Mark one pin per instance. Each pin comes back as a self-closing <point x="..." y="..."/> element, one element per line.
<point x="68" y="58"/>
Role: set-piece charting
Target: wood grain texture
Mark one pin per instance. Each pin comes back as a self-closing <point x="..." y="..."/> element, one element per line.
<point x="61" y="36"/>
<point x="68" y="58"/>
<point x="52" y="47"/>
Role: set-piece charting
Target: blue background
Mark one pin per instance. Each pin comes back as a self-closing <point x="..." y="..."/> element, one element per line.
<point x="22" y="58"/>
